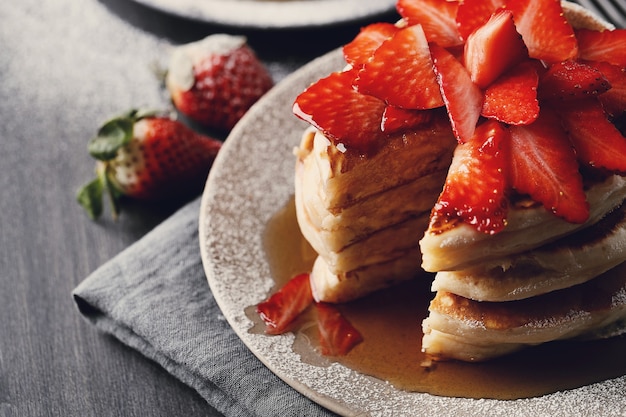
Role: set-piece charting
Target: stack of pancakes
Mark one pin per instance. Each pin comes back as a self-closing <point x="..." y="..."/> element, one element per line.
<point x="364" y="216"/>
<point x="539" y="280"/>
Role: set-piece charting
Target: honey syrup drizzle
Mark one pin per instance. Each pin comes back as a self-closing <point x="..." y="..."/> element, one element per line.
<point x="390" y="322"/>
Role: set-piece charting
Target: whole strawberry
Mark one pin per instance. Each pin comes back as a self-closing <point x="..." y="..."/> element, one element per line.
<point x="148" y="156"/>
<point x="214" y="81"/>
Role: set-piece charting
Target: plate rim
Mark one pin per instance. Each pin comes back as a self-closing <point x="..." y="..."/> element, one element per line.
<point x="400" y="401"/>
<point x="262" y="14"/>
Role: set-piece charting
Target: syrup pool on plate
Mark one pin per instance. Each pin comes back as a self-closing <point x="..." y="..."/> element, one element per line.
<point x="390" y="323"/>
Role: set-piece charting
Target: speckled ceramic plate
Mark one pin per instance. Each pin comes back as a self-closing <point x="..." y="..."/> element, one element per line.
<point x="250" y="181"/>
<point x="273" y="13"/>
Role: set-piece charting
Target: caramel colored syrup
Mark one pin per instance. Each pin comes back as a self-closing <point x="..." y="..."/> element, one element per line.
<point x="390" y="323"/>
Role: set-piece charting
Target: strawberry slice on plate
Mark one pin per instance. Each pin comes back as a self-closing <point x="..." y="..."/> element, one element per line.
<point x="474" y="13"/>
<point x="401" y="72"/>
<point x="546" y="32"/>
<point x="597" y="141"/>
<point x="285" y="305"/>
<point x="604" y="46"/>
<point x="360" y="49"/>
<point x="544" y="166"/>
<point x="493" y="48"/>
<point x="512" y="98"/>
<point x="463" y="98"/>
<point x="476" y="183"/>
<point x="340" y="112"/>
<point x="337" y="335"/>
<point x="569" y="80"/>
<point x="437" y="17"/>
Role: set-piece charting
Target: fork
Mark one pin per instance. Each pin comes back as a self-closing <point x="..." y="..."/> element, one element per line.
<point x="613" y="11"/>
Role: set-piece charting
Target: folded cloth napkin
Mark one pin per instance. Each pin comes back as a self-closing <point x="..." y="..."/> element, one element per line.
<point x="154" y="297"/>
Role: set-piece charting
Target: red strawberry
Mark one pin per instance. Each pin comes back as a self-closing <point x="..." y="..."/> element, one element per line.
<point x="476" y="183"/>
<point x="572" y="80"/>
<point x="397" y="119"/>
<point x="463" y="98"/>
<point x="606" y="46"/>
<point x="337" y="335"/>
<point x="543" y="165"/>
<point x="215" y="81"/>
<point x="614" y="100"/>
<point x="146" y="156"/>
<point x="437" y="17"/>
<point x="546" y="32"/>
<point x="597" y="141"/>
<point x="493" y="48"/>
<point x="512" y="98"/>
<point x="361" y="48"/>
<point x="284" y="306"/>
<point x="401" y="72"/>
<point x="340" y="112"/>
<point x="474" y="13"/>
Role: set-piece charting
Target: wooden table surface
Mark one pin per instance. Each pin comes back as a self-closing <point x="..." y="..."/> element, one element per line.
<point x="65" y="67"/>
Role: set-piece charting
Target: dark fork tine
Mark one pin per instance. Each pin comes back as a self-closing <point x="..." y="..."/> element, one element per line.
<point x="611" y="10"/>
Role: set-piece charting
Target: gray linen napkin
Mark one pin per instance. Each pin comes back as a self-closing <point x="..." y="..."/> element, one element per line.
<point x="154" y="297"/>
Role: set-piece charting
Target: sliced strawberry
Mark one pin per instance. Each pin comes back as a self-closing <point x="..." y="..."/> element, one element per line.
<point x="474" y="13"/>
<point x="572" y="80"/>
<point x="397" y="119"/>
<point x="512" y="98"/>
<point x="340" y="112"/>
<point x="361" y="48"/>
<point x="545" y="31"/>
<point x="544" y="166"/>
<point x="337" y="335"/>
<point x="493" y="48"/>
<point x="437" y="17"/>
<point x="597" y="141"/>
<point x="614" y="100"/>
<point x="284" y="306"/>
<point x="606" y="46"/>
<point x="401" y="72"/>
<point x="476" y="183"/>
<point x="463" y="98"/>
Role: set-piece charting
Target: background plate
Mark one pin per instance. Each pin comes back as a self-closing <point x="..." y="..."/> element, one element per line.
<point x="273" y="13"/>
<point x="251" y="180"/>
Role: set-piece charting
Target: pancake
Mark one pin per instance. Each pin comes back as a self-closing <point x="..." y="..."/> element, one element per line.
<point x="469" y="330"/>
<point x="365" y="224"/>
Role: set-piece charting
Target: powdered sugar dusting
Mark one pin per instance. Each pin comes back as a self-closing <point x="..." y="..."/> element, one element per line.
<point x="250" y="181"/>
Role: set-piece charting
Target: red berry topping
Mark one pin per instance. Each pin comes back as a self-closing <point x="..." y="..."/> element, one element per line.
<point x="493" y="48"/>
<point x="401" y="72"/>
<point x="606" y="46"/>
<point x="340" y="112"/>
<point x="477" y="181"/>
<point x="572" y="80"/>
<point x="544" y="166"/>
<point x="463" y="98"/>
<point x="437" y="17"/>
<point x="545" y="31"/>
<point x="512" y="98"/>
<point x="359" y="51"/>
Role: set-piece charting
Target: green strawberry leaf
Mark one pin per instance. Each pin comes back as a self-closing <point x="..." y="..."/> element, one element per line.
<point x="90" y="197"/>
<point x="111" y="136"/>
